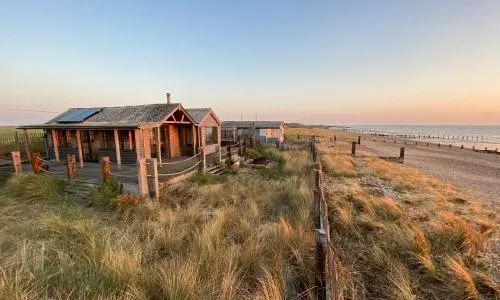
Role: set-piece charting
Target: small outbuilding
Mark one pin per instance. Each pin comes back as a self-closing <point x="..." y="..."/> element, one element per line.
<point x="261" y="131"/>
<point x="208" y="127"/>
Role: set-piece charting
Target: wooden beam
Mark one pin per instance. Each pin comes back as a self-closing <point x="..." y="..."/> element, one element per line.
<point x="159" y="146"/>
<point x="182" y="118"/>
<point x="173" y="117"/>
<point x="138" y="143"/>
<point x="79" y="146"/>
<point x="177" y="122"/>
<point x="55" y="142"/>
<point x="26" y="144"/>
<point x="117" y="148"/>
<point x="194" y="140"/>
<point x="167" y="138"/>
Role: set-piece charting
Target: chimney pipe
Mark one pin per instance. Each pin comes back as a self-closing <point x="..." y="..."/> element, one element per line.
<point x="168" y="98"/>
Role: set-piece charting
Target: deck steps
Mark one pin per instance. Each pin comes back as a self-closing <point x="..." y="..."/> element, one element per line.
<point x="216" y="170"/>
<point x="80" y="191"/>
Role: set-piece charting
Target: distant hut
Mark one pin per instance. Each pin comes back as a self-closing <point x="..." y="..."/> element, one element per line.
<point x="125" y="133"/>
<point x="208" y="128"/>
<point x="271" y="132"/>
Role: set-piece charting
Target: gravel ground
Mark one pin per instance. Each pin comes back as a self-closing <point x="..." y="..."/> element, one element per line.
<point x="478" y="172"/>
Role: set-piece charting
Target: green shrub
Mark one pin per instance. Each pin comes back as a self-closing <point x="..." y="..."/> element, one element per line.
<point x="105" y="195"/>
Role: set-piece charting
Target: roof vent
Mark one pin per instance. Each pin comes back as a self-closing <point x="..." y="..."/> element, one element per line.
<point x="168" y="98"/>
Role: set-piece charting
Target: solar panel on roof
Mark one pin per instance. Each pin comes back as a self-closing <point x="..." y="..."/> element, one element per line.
<point x="79" y="115"/>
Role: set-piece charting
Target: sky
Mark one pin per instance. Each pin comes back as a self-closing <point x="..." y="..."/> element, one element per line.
<point x="315" y="62"/>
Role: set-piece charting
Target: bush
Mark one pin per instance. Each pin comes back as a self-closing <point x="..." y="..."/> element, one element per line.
<point x="106" y="194"/>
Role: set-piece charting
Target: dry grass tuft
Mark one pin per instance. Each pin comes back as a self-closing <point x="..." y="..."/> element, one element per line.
<point x="461" y="273"/>
<point x="342" y="165"/>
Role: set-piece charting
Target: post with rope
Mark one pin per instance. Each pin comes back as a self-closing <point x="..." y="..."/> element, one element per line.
<point x="142" y="174"/>
<point x="16" y="161"/>
<point x="71" y="167"/>
<point x="106" y="169"/>
<point x="218" y="154"/>
<point x="36" y="162"/>
<point x="152" y="178"/>
<point x="203" y="160"/>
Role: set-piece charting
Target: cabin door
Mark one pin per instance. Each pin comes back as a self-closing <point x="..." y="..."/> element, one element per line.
<point x="174" y="141"/>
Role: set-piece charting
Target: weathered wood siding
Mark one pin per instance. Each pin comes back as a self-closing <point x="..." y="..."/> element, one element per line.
<point x="175" y="145"/>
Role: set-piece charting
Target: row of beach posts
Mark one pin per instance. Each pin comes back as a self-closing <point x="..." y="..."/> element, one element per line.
<point x="147" y="174"/>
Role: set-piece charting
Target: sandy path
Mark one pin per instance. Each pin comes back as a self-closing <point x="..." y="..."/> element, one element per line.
<point x="479" y="172"/>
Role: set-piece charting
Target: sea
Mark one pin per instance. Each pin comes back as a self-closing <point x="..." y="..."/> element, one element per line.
<point x="470" y="136"/>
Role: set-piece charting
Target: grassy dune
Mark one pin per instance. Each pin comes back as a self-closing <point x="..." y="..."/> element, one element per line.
<point x="401" y="234"/>
<point x="243" y="236"/>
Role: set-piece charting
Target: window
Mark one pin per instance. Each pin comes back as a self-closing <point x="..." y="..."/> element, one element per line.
<point x="210" y="135"/>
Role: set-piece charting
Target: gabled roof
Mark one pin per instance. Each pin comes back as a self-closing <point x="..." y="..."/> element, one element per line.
<point x="252" y="124"/>
<point x="118" y="116"/>
<point x="198" y="114"/>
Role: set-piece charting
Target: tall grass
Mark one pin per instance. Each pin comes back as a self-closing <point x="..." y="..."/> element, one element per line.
<point x="241" y="237"/>
<point x="401" y="234"/>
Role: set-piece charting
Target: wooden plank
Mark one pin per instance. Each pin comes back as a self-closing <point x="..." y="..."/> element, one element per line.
<point x="159" y="145"/>
<point x="79" y="146"/>
<point x="117" y="148"/>
<point x="194" y="139"/>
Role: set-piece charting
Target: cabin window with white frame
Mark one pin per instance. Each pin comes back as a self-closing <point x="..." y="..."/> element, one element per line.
<point x="210" y="135"/>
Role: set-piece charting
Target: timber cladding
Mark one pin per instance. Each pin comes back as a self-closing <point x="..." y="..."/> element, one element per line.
<point x="175" y="144"/>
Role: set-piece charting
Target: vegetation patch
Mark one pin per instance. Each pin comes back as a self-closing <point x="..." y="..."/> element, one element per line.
<point x="244" y="237"/>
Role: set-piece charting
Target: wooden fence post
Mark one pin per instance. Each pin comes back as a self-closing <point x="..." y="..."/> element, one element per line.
<point x="71" y="167"/>
<point x="36" y="163"/>
<point x="474" y="148"/>
<point x="142" y="174"/>
<point x="106" y="169"/>
<point x="240" y="148"/>
<point x="402" y="154"/>
<point x="334" y="138"/>
<point x="218" y="154"/>
<point x="16" y="161"/>
<point x="152" y="178"/>
<point x="461" y="147"/>
<point x="359" y="140"/>
<point x="203" y="161"/>
<point x="353" y="149"/>
<point x="229" y="153"/>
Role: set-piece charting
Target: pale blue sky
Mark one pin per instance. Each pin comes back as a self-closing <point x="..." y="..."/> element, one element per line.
<point x="308" y="61"/>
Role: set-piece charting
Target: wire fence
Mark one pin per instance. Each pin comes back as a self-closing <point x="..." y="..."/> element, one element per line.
<point x="181" y="172"/>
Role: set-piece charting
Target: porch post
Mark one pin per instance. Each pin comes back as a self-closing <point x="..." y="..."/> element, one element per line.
<point x="79" y="145"/>
<point x="138" y="142"/>
<point x="26" y="144"/>
<point x="194" y="140"/>
<point x="130" y="144"/>
<point x="146" y="142"/>
<point x="117" y="148"/>
<point x="55" y="142"/>
<point x="159" y="145"/>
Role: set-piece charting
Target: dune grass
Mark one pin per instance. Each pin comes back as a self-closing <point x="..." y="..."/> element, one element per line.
<point x="243" y="236"/>
<point x="401" y="234"/>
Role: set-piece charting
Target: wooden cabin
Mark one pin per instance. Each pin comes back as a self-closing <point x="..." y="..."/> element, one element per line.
<point x="127" y="133"/>
<point x="208" y="127"/>
<point x="260" y="131"/>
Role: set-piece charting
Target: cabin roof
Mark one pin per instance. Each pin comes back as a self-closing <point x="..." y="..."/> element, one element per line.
<point x="114" y="117"/>
<point x="252" y="124"/>
<point x="198" y="113"/>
